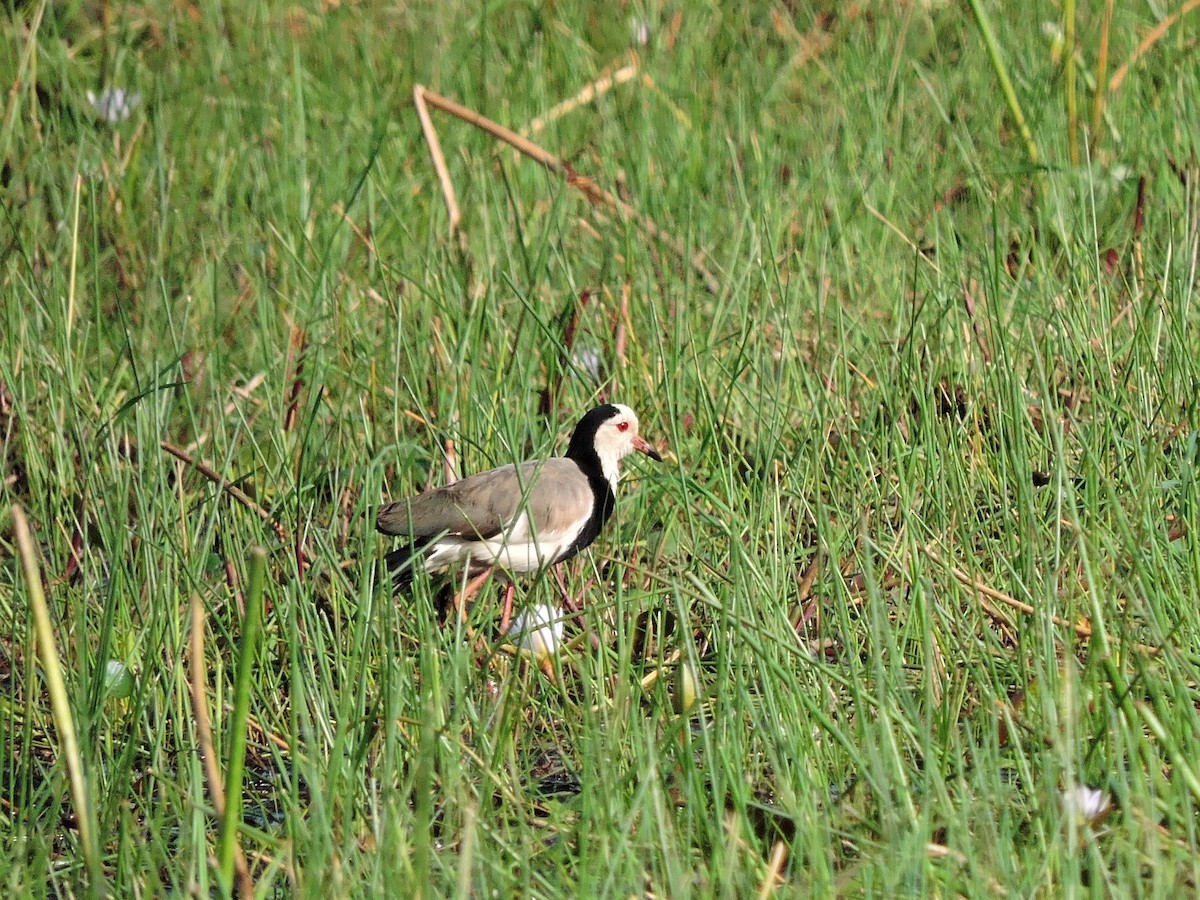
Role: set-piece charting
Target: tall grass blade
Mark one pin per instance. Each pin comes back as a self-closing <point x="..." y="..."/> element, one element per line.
<point x="60" y="705"/>
<point x="241" y="714"/>
<point x="1006" y="85"/>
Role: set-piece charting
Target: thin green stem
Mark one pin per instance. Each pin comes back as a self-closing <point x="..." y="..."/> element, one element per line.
<point x="1101" y="72"/>
<point x="1006" y="85"/>
<point x="1072" y="112"/>
<point x="241" y="714"/>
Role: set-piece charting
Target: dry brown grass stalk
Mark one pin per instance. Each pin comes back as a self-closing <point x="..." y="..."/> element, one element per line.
<point x="594" y="193"/>
<point x="1081" y="629"/>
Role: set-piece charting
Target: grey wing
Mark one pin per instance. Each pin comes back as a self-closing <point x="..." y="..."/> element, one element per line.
<point x="560" y="500"/>
<point x="480" y="506"/>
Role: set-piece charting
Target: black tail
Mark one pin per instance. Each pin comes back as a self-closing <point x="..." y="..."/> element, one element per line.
<point x="400" y="564"/>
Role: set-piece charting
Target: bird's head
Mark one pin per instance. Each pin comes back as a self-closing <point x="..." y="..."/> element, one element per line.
<point x="605" y="436"/>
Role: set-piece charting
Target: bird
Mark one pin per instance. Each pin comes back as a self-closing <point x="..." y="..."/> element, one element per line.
<point x="518" y="518"/>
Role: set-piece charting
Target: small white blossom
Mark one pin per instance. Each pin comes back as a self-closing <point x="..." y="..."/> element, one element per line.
<point x="538" y="630"/>
<point x="640" y="31"/>
<point x="1086" y="805"/>
<point x="114" y="104"/>
<point x="1054" y="33"/>
<point x="587" y="360"/>
<point x="1052" y="30"/>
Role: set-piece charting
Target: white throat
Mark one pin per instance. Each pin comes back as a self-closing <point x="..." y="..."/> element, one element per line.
<point x="609" y="466"/>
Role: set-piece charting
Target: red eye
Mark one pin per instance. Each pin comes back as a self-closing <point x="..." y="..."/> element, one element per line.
<point x="622" y="426"/>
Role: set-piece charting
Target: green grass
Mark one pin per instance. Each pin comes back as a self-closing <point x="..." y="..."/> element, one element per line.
<point x="263" y="242"/>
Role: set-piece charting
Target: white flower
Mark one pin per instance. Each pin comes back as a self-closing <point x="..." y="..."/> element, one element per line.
<point x="114" y="104"/>
<point x="538" y="630"/>
<point x="1054" y="33"/>
<point x="1119" y="173"/>
<point x="1052" y="30"/>
<point x="1086" y="805"/>
<point x="640" y="31"/>
<point x="587" y="360"/>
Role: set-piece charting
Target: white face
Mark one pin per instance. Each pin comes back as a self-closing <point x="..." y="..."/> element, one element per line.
<point x="617" y="438"/>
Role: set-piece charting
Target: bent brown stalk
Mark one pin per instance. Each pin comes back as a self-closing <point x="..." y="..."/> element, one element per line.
<point x="595" y="194"/>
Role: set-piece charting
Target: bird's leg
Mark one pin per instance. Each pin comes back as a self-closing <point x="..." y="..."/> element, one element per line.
<point x="575" y="608"/>
<point x="471" y="589"/>
<point x="569" y="603"/>
<point x="507" y="608"/>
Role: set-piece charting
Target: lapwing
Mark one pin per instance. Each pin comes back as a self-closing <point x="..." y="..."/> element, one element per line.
<point x="518" y="518"/>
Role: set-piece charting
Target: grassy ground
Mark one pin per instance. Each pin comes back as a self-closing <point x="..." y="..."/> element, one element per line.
<point x="924" y="530"/>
